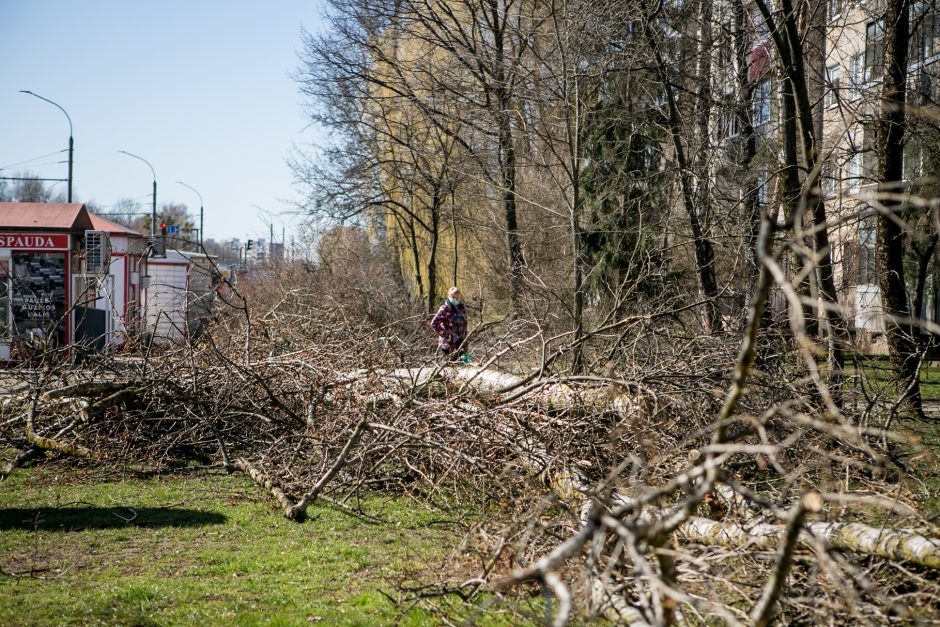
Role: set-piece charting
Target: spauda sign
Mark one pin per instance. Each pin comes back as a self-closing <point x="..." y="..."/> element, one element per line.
<point x="32" y="241"/>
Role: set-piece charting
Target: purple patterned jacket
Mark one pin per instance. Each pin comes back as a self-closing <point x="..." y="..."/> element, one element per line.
<point x="450" y="324"/>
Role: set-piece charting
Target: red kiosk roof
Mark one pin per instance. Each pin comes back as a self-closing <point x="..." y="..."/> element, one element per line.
<point x="103" y="224"/>
<point x="44" y="216"/>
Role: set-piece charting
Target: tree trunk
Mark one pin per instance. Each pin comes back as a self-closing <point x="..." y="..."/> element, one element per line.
<point x="704" y="251"/>
<point x="453" y="218"/>
<point x="837" y="330"/>
<point x="415" y="257"/>
<point x="889" y="146"/>
<point x="432" y="253"/>
<point x="789" y="44"/>
<point x="895" y="544"/>
<point x="507" y="159"/>
<point x="574" y="147"/>
<point x="507" y="153"/>
<point x="923" y="265"/>
<point x="743" y="105"/>
<point x="790" y="195"/>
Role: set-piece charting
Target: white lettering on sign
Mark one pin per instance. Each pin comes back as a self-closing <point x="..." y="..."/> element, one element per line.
<point x="26" y="241"/>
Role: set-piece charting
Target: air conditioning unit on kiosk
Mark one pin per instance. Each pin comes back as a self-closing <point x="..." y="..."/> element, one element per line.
<point x="97" y="252"/>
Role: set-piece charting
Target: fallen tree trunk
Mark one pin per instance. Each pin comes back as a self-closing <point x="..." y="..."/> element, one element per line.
<point x="895" y="544"/>
<point x="503" y="386"/>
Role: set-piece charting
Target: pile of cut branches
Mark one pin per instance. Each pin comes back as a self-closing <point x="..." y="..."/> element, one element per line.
<point x="673" y="479"/>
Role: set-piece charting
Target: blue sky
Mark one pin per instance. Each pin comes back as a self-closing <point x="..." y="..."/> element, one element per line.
<point x="201" y="89"/>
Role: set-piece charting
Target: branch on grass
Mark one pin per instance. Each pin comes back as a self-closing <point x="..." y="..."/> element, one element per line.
<point x="297" y="511"/>
<point x="21" y="458"/>
<point x="50" y="444"/>
<point x="265" y="482"/>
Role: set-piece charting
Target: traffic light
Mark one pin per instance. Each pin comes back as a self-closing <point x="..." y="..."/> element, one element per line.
<point x="159" y="244"/>
<point x="248" y="246"/>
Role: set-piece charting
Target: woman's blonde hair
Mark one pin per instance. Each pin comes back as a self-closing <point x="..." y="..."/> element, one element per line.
<point x="452" y="291"/>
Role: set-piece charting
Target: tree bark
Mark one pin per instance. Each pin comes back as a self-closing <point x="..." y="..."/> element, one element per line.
<point x="743" y="104"/>
<point x="432" y="253"/>
<point x="507" y="166"/>
<point x="889" y="146"/>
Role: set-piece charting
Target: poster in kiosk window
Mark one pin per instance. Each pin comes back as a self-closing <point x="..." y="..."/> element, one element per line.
<point x="38" y="297"/>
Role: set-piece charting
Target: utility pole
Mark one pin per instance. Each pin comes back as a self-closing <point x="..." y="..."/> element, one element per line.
<point x="71" y="139"/>
<point x="201" y="209"/>
<point x="153" y="212"/>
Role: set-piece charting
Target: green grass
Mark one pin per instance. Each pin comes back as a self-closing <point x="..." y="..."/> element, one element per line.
<point x="878" y="376"/>
<point x="203" y="550"/>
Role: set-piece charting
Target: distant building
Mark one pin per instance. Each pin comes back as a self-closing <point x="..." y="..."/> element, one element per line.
<point x="67" y="276"/>
<point x="180" y="296"/>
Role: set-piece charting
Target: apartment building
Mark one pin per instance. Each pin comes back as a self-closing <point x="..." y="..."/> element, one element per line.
<point x="853" y="76"/>
<point x="843" y="53"/>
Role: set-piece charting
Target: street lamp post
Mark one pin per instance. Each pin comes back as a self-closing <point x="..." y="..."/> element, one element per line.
<point x="71" y="139"/>
<point x="153" y="213"/>
<point x="201" y="211"/>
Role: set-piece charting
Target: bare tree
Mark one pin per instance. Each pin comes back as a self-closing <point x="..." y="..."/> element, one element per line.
<point x="903" y="347"/>
<point x="687" y="119"/>
<point x="786" y="24"/>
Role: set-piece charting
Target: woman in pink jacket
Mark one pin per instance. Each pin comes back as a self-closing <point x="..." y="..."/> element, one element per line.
<point x="450" y="324"/>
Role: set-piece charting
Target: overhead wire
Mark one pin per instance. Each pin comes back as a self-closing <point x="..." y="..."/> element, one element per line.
<point x="41" y="165"/>
<point x="13" y="165"/>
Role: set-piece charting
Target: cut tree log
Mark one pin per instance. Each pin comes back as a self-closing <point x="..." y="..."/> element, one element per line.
<point x="894" y="544"/>
<point x="550" y="395"/>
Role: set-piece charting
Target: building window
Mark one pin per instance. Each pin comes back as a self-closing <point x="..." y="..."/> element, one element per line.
<point x="857" y="74"/>
<point x="835" y="78"/>
<point x="931" y="27"/>
<point x="925" y="40"/>
<point x="835" y="8"/>
<point x="828" y="182"/>
<point x="726" y="51"/>
<point x="728" y="120"/>
<point x="866" y="254"/>
<point x="853" y="165"/>
<point x="761" y="103"/>
<point x="762" y="187"/>
<point x="874" y="49"/>
<point x="920" y="86"/>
